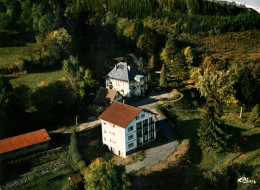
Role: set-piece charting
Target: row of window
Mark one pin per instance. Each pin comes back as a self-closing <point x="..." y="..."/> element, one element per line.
<point x="112" y="141"/>
<point x="111" y="133"/>
<point x="138" y="117"/>
<point x="109" y="124"/>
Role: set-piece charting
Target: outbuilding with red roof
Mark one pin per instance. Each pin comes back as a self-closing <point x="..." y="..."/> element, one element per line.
<point x="23" y="144"/>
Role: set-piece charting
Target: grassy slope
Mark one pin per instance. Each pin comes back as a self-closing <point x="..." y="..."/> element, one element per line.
<point x="35" y="78"/>
<point x="246" y="138"/>
<point x="236" y="47"/>
<point x="9" y="55"/>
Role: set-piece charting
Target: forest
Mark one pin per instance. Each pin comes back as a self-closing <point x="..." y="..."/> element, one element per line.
<point x="54" y="55"/>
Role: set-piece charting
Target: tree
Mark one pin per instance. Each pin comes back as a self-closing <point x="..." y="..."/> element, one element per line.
<point x="246" y="87"/>
<point x="59" y="43"/>
<point x="168" y="53"/>
<point x="7" y="104"/>
<point x="216" y="87"/>
<point x="210" y="132"/>
<point x="163" y="77"/>
<point x="254" y="116"/>
<point x="147" y="42"/>
<point x="74" y="157"/>
<point x="105" y="176"/>
<point x="81" y="80"/>
<point x="189" y="55"/>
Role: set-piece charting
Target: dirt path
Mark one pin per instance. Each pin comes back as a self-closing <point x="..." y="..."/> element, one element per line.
<point x="80" y="127"/>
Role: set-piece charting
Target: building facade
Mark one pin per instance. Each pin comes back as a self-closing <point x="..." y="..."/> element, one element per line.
<point x="125" y="128"/>
<point x="127" y="80"/>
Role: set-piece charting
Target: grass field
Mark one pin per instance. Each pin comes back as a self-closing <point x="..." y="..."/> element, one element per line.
<point x="9" y="55"/>
<point x="243" y="155"/>
<point x="35" y="78"/>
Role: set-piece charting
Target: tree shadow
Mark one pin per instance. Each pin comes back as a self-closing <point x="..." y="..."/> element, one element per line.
<point x="187" y="129"/>
<point x="178" y="177"/>
<point x="245" y="143"/>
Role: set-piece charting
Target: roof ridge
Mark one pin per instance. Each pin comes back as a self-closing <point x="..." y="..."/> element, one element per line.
<point x="129" y="106"/>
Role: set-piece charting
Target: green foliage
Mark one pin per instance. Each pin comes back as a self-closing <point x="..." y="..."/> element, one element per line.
<point x="163" y="77"/>
<point x="189" y="55"/>
<point x="247" y="86"/>
<point x="211" y="134"/>
<point x="105" y="175"/>
<point x="254" y="116"/>
<point x="71" y="67"/>
<point x="81" y="80"/>
<point x="216" y="87"/>
<point x="7" y="103"/>
<point x="173" y="59"/>
<point x="74" y="158"/>
<point x="147" y="42"/>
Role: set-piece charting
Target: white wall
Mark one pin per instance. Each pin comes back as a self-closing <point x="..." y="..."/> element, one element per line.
<point x="117" y="137"/>
<point x="114" y="137"/>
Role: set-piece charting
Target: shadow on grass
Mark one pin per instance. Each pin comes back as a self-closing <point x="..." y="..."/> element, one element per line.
<point x="179" y="177"/>
<point x="245" y="143"/>
<point x="187" y="129"/>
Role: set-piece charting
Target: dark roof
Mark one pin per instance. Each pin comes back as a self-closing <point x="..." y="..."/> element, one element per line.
<point x="122" y="72"/>
<point x="24" y="140"/>
<point x="120" y="114"/>
<point x="105" y="96"/>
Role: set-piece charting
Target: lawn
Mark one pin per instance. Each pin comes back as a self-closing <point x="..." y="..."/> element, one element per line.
<point x="242" y="158"/>
<point x="9" y="55"/>
<point x="34" y="79"/>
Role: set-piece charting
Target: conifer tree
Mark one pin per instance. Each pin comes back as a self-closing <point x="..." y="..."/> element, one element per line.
<point x="211" y="134"/>
<point x="163" y="77"/>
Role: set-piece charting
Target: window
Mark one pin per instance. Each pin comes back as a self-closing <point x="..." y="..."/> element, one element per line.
<point x="131" y="145"/>
<point x="105" y="131"/>
<point x="138" y="125"/>
<point x="143" y="115"/>
<point x="150" y="120"/>
<point x="105" y="138"/>
<point x="130" y="137"/>
<point x="137" y="117"/>
<point x="113" y="125"/>
<point x="111" y="133"/>
<point x="105" y="123"/>
<point x="130" y="129"/>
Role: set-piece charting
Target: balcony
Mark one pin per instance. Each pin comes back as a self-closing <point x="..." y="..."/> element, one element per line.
<point x="145" y="132"/>
<point x="139" y="133"/>
<point x="139" y="143"/>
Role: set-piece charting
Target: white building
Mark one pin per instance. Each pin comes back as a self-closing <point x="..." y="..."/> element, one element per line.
<point x="125" y="128"/>
<point x="127" y="80"/>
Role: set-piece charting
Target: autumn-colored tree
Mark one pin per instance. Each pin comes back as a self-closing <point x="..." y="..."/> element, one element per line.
<point x="216" y="87"/>
<point x="105" y="176"/>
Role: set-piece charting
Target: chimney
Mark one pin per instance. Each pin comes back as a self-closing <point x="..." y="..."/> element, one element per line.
<point x="123" y="101"/>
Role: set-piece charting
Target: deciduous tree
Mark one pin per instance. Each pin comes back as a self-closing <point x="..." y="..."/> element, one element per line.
<point x="105" y="176"/>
